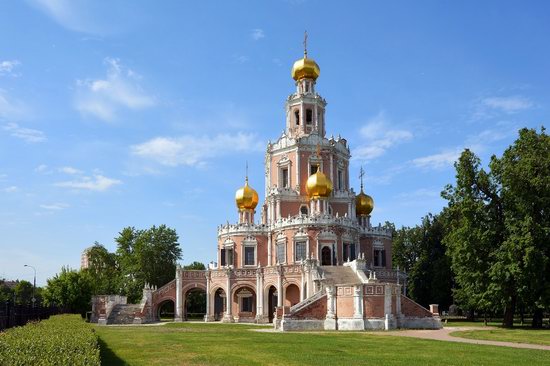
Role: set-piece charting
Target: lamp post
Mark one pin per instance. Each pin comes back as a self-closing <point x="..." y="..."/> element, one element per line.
<point x="33" y="285"/>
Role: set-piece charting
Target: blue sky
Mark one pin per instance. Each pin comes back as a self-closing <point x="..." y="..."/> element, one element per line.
<point x="118" y="113"/>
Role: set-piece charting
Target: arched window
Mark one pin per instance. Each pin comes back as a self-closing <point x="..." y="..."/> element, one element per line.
<point x="309" y="116"/>
<point x="303" y="210"/>
<point x="297" y="117"/>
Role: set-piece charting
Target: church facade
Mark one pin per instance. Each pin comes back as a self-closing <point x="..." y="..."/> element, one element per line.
<point x="308" y="257"/>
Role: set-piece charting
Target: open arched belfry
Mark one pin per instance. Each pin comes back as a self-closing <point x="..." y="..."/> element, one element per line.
<point x="308" y="257"/>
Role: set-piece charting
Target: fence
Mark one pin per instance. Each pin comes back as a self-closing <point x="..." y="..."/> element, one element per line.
<point x="12" y="315"/>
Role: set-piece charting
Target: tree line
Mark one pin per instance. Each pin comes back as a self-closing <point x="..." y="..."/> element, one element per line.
<point x="488" y="250"/>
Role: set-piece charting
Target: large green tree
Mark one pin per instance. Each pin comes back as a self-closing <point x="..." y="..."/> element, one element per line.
<point x="498" y="230"/>
<point x="146" y="256"/>
<point x="104" y="269"/>
<point x="70" y="289"/>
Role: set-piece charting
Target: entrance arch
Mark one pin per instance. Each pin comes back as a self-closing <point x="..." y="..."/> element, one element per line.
<point x="244" y="301"/>
<point x="272" y="302"/>
<point x="292" y="295"/>
<point x="195" y="304"/>
<point x="326" y="256"/>
<point x="220" y="299"/>
<point x="166" y="310"/>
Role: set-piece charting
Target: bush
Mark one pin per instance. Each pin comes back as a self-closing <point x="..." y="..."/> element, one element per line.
<point x="60" y="340"/>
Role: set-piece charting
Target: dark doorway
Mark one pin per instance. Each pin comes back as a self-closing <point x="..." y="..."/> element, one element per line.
<point x="195" y="304"/>
<point x="166" y="311"/>
<point x="219" y="304"/>
<point x="272" y="303"/>
<point x="326" y="259"/>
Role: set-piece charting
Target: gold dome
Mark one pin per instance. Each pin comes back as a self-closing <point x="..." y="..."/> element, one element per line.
<point x="364" y="204"/>
<point x="318" y="185"/>
<point x="305" y="68"/>
<point x="246" y="197"/>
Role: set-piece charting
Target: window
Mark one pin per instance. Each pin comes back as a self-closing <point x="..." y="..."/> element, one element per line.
<point x="226" y="257"/>
<point x="303" y="210"/>
<point x="300" y="251"/>
<point x="309" y="116"/>
<point x="246" y="304"/>
<point x="297" y="117"/>
<point x="312" y="169"/>
<point x="340" y="180"/>
<point x="222" y="257"/>
<point x="284" y="177"/>
<point x="349" y="251"/>
<point x="307" y="87"/>
<point x="249" y="259"/>
<point x="379" y="258"/>
<point x="281" y="258"/>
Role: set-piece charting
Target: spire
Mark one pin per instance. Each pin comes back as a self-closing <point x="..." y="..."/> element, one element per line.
<point x="305" y="44"/>
<point x="361" y="174"/>
<point x="246" y="174"/>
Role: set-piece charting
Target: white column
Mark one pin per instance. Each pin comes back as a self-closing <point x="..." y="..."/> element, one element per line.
<point x="330" y="320"/>
<point x="297" y="168"/>
<point x="269" y="249"/>
<point x="278" y="208"/>
<point x="228" y="318"/>
<point x="259" y="296"/>
<point x="331" y="169"/>
<point x="280" y="286"/>
<point x="302" y="282"/>
<point x="208" y="315"/>
<point x="358" y="301"/>
<point x="179" y="299"/>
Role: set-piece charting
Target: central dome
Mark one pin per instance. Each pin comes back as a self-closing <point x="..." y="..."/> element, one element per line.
<point x="318" y="185"/>
<point x="246" y="197"/>
<point x="305" y="68"/>
<point x="364" y="204"/>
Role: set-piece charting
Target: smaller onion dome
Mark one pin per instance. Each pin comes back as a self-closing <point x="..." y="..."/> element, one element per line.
<point x="318" y="185"/>
<point x="246" y="197"/>
<point x="364" y="204"/>
<point x="305" y="68"/>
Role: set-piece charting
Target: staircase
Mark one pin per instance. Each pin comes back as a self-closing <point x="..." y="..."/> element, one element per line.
<point x="339" y="275"/>
<point x="123" y="314"/>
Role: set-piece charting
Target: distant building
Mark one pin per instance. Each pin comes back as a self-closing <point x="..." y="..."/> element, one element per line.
<point x="84" y="258"/>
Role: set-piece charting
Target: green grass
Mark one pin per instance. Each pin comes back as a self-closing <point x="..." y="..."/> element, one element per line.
<point x="236" y="344"/>
<point x="517" y="335"/>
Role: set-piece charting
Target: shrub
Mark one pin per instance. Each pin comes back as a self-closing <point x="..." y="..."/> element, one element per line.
<point x="60" y="340"/>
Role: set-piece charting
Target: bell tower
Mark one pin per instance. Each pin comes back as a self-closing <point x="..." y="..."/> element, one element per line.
<point x="305" y="109"/>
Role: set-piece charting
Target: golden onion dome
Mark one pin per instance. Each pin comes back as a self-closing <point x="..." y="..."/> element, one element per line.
<point x="246" y="197"/>
<point x="364" y="204"/>
<point x="318" y="185"/>
<point x="305" y="68"/>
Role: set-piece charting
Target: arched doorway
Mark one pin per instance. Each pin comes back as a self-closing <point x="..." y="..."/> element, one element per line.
<point x="292" y="295"/>
<point x="272" y="302"/>
<point x="166" y="310"/>
<point x="219" y="304"/>
<point x="326" y="256"/>
<point x="244" y="299"/>
<point x="195" y="304"/>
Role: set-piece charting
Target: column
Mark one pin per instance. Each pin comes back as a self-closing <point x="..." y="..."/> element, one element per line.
<point x="278" y="204"/>
<point x="298" y="169"/>
<point x="330" y="320"/>
<point x="302" y="286"/>
<point x="179" y="299"/>
<point x="269" y="249"/>
<point x="228" y="318"/>
<point x="280" y="286"/>
<point x="358" y="301"/>
<point x="208" y="316"/>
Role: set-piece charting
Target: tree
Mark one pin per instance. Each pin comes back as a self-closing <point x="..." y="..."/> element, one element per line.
<point x="23" y="291"/>
<point x="103" y="267"/>
<point x="6" y="293"/>
<point x="71" y="290"/>
<point x="195" y="266"/>
<point x="146" y="256"/>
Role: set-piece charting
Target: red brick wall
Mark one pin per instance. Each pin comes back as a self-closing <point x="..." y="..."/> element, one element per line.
<point x="374" y="306"/>
<point x="411" y="308"/>
<point x="316" y="310"/>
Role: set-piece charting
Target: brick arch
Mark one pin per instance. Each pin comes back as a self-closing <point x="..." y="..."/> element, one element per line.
<point x="185" y="289"/>
<point x="237" y="286"/>
<point x="160" y="302"/>
<point x="216" y="288"/>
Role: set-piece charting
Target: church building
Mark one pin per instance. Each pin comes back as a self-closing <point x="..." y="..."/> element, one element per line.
<point x="308" y="257"/>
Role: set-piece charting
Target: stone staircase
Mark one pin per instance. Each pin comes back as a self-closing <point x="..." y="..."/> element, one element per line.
<point x="123" y="314"/>
<point x="339" y="275"/>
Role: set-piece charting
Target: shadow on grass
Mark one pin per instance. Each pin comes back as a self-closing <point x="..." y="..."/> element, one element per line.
<point x="108" y="357"/>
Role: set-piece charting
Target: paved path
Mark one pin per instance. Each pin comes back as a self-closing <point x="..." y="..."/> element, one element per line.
<point x="444" y="335"/>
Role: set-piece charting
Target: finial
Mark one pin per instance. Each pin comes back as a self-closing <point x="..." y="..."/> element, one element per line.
<point x="305" y="44"/>
<point x="361" y="174"/>
<point x="246" y="174"/>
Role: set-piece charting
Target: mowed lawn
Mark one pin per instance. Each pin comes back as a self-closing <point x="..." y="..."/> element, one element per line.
<point x="516" y="335"/>
<point x="236" y="344"/>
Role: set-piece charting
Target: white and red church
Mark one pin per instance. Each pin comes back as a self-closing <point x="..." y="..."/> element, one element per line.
<point x="312" y="259"/>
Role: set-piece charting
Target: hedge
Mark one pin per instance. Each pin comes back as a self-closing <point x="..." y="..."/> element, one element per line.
<point x="60" y="340"/>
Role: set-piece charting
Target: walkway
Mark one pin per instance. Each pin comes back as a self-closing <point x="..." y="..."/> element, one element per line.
<point x="444" y="335"/>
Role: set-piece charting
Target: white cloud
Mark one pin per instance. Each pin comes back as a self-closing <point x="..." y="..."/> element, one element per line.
<point x="102" y="98"/>
<point x="55" y="206"/>
<point x="437" y="161"/>
<point x="73" y="15"/>
<point x="7" y="67"/>
<point x="508" y="104"/>
<point x="69" y="170"/>
<point x="98" y="183"/>
<point x="42" y="168"/>
<point x="257" y="34"/>
<point x="9" y="108"/>
<point x="11" y="189"/>
<point x="379" y="137"/>
<point x="241" y="59"/>
<point x="194" y="150"/>
<point x="27" y="134"/>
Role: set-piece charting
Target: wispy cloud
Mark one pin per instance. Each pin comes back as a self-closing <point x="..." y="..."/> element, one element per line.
<point x="508" y="104"/>
<point x="11" y="109"/>
<point x="27" y="134"/>
<point x="257" y="34"/>
<point x="70" y="170"/>
<point x="98" y="183"/>
<point x="55" y="206"/>
<point x="437" y="161"/>
<point x="103" y="98"/>
<point x="193" y="150"/>
<point x="241" y="59"/>
<point x="11" y="189"/>
<point x="378" y="136"/>
<point x="7" y="67"/>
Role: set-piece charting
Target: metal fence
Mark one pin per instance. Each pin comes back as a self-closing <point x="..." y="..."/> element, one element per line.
<point x="13" y="315"/>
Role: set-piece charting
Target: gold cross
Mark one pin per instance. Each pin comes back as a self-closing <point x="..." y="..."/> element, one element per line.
<point x="305" y="44"/>
<point x="361" y="174"/>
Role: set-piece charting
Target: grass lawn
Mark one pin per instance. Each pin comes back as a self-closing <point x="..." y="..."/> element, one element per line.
<point x="236" y="344"/>
<point x="518" y="335"/>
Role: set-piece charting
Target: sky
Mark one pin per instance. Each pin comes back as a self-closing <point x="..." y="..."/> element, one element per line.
<point x="140" y="113"/>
